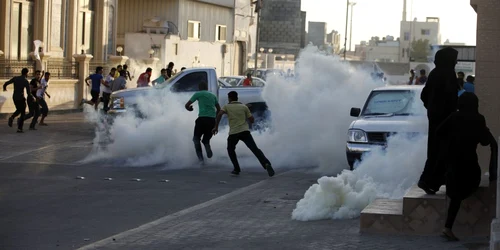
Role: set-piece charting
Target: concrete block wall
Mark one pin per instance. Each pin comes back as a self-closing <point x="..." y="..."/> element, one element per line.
<point x="487" y="65"/>
<point x="281" y="26"/>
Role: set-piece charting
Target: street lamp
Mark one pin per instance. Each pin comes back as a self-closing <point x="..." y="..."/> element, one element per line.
<point x="346" y="24"/>
<point x="119" y="49"/>
<point x="267" y="56"/>
<point x="1" y="53"/>
<point x="83" y="47"/>
<point x="283" y="59"/>
<point x="151" y="52"/>
<point x="350" y="32"/>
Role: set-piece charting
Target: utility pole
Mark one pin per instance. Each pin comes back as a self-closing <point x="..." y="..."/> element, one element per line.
<point x="346" y="24"/>
<point x="350" y="32"/>
<point x="258" y="8"/>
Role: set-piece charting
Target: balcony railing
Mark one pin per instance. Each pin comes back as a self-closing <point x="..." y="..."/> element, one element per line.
<point x="62" y="69"/>
<point x="11" y="68"/>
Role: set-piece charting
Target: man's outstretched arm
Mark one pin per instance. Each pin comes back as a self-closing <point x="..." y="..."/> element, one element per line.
<point x="217" y="121"/>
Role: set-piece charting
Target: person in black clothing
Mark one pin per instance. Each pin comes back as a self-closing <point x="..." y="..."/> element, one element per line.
<point x="170" y="69"/>
<point x="440" y="99"/>
<point x="460" y="79"/>
<point x="20" y="84"/>
<point x="461" y="132"/>
<point x="33" y="105"/>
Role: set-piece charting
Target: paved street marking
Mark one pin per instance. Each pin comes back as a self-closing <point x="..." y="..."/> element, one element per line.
<point x="144" y="227"/>
<point x="26" y="152"/>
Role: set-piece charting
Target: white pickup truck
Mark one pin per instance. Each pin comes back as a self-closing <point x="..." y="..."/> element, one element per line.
<point x="387" y="111"/>
<point x="186" y="82"/>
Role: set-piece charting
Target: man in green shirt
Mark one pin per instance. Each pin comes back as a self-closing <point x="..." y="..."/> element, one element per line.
<point x="208" y="109"/>
<point x="237" y="114"/>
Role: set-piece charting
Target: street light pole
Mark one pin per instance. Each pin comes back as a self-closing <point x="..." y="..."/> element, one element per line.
<point x="346" y="24"/>
<point x="350" y="32"/>
<point x="257" y="37"/>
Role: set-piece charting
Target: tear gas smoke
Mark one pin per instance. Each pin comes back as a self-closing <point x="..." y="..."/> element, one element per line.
<point x="381" y="174"/>
<point x="309" y="122"/>
<point x="310" y="117"/>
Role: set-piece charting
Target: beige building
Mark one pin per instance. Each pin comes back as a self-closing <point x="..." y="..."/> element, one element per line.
<point x="65" y="28"/>
<point x="189" y="33"/>
<point x="415" y="30"/>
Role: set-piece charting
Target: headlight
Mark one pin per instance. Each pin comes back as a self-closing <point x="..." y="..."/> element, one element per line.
<point x="356" y="135"/>
<point x="118" y="102"/>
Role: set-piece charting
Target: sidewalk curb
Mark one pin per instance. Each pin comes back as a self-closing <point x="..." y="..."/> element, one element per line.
<point x="53" y="112"/>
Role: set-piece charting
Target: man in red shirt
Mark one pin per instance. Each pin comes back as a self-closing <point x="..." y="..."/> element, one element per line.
<point x="144" y="78"/>
<point x="248" y="81"/>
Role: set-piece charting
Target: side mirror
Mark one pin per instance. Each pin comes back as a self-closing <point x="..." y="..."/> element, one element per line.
<point x="355" y="112"/>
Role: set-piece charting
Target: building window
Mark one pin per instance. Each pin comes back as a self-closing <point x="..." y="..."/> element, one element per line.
<point x="407" y="36"/>
<point x="220" y="33"/>
<point x="426" y="32"/>
<point x="403" y="52"/>
<point x="194" y="30"/>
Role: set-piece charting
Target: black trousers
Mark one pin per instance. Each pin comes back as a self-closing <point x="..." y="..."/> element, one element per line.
<point x="434" y="171"/>
<point x="20" y="110"/>
<point x="247" y="138"/>
<point x="203" y="129"/>
<point x="452" y="212"/>
<point x="34" y="111"/>
<point x="45" y="108"/>
<point x="105" y="99"/>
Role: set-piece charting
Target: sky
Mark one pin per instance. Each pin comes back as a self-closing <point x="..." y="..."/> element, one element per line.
<point x="382" y="17"/>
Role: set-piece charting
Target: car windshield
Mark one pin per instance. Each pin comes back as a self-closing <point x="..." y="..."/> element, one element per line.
<point x="393" y="102"/>
<point x="233" y="81"/>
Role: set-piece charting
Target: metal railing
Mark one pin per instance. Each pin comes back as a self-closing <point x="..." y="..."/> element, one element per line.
<point x="62" y="69"/>
<point x="11" y="68"/>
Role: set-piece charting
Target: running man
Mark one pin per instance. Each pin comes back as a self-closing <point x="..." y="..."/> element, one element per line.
<point x="97" y="79"/>
<point x="20" y="84"/>
<point x="40" y="96"/>
<point x="208" y="108"/>
<point x="238" y="114"/>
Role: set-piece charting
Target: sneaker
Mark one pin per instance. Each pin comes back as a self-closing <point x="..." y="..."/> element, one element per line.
<point x="235" y="173"/>
<point x="209" y="151"/>
<point x="270" y="170"/>
<point x="11" y="120"/>
<point x="20" y="131"/>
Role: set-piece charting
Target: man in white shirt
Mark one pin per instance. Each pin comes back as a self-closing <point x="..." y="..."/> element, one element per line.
<point x="106" y="89"/>
<point x="120" y="82"/>
<point x="40" y="95"/>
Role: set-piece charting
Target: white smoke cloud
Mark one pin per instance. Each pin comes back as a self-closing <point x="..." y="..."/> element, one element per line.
<point x="310" y="117"/>
<point x="309" y="122"/>
<point x="381" y="174"/>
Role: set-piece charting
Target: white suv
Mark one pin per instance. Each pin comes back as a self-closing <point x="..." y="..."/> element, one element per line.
<point x="388" y="110"/>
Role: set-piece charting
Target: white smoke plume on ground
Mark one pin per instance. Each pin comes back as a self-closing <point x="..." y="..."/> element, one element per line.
<point x="381" y="174"/>
<point x="310" y="117"/>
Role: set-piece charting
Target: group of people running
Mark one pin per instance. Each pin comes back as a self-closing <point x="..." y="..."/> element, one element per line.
<point x="455" y="129"/>
<point x="36" y="90"/>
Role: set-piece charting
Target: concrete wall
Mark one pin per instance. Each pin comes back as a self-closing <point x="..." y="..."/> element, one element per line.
<point x="382" y="53"/>
<point x="208" y="15"/>
<point x="487" y="65"/>
<point x="281" y="26"/>
<point x="62" y="92"/>
<point x="206" y="53"/>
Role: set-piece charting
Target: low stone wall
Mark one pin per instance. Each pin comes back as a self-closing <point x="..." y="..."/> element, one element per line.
<point x="63" y="94"/>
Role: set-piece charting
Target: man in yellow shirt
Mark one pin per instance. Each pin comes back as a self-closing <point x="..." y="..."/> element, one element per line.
<point x="238" y="114"/>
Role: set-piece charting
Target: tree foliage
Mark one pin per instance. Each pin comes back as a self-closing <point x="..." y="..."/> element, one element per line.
<point x="420" y="50"/>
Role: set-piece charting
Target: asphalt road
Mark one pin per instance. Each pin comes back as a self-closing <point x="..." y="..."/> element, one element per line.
<point x="43" y="205"/>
